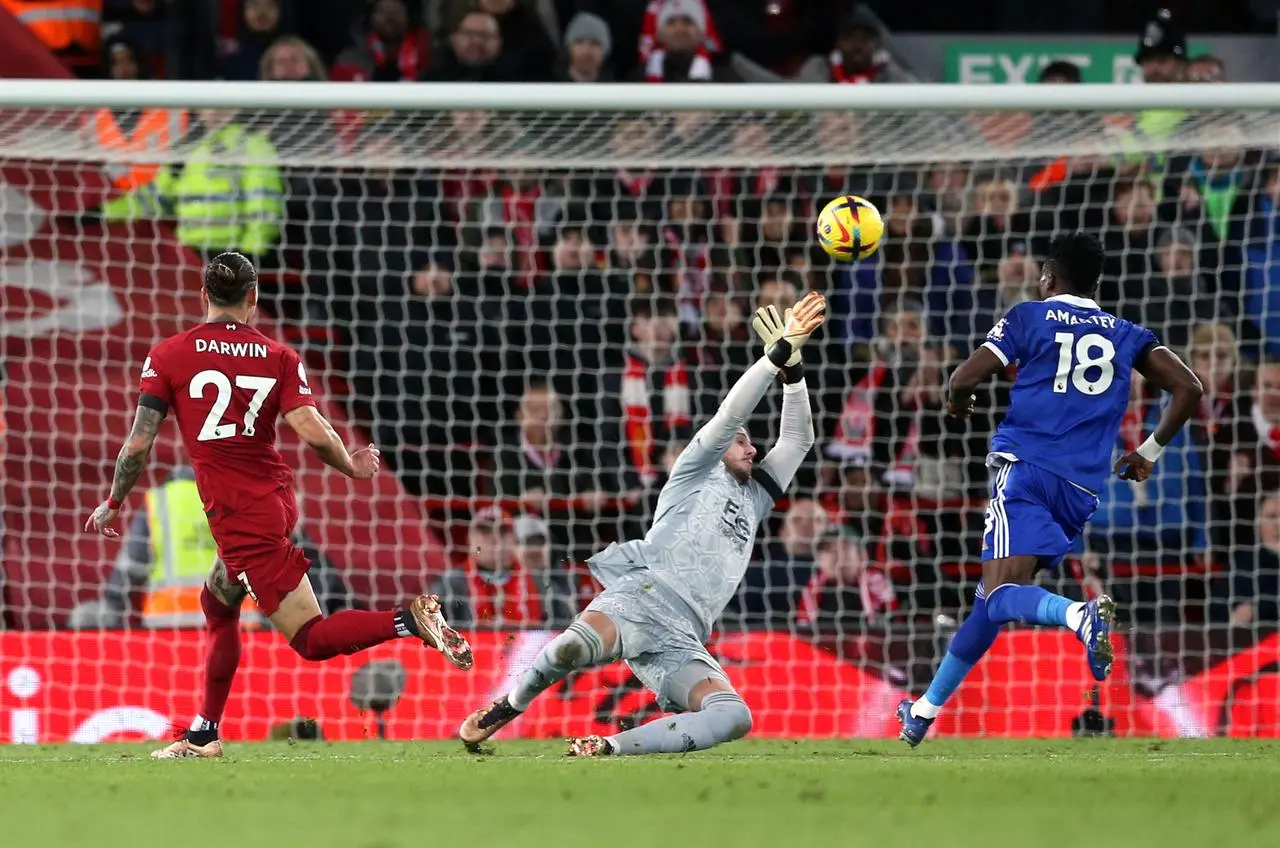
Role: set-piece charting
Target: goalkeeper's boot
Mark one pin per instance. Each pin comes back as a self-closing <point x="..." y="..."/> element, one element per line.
<point x="436" y="632"/>
<point x="1095" y="634"/>
<point x="486" y="721"/>
<point x="185" y="749"/>
<point x="914" y="728"/>
<point x="590" y="746"/>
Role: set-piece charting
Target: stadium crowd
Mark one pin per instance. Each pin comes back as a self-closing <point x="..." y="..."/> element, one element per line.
<point x="551" y="338"/>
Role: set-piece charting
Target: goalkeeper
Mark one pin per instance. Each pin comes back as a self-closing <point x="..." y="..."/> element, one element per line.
<point x="663" y="593"/>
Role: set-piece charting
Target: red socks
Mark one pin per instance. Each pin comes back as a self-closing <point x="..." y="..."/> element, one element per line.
<point x="222" y="654"/>
<point x="344" y="632"/>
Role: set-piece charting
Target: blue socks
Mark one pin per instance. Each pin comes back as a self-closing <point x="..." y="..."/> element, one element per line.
<point x="971" y="641"/>
<point x="1027" y="604"/>
<point x="1009" y="602"/>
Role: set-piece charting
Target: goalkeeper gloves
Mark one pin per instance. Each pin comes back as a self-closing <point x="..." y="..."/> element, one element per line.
<point x="783" y="337"/>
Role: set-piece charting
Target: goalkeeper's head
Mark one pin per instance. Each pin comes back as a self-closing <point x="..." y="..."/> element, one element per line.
<point x="740" y="458"/>
<point x="231" y="286"/>
<point x="1074" y="266"/>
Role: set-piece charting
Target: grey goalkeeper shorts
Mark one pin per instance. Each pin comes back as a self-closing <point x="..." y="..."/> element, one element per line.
<point x="658" y="639"/>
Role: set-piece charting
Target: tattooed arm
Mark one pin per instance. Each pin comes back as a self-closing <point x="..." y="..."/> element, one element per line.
<point x="129" y="467"/>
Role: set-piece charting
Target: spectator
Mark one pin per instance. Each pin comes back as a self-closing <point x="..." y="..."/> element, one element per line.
<point x="420" y="363"/>
<point x="835" y="133"/>
<point x="780" y="289"/>
<point x="846" y="593"/>
<point x="147" y="26"/>
<point x="775" y="41"/>
<point x="688" y="238"/>
<point x="681" y="52"/>
<point x="1206" y="68"/>
<point x="997" y="228"/>
<point x="1017" y="280"/>
<point x="911" y="265"/>
<point x="561" y="587"/>
<point x="723" y="351"/>
<point x="391" y="50"/>
<point x="860" y="55"/>
<point x="1162" y="518"/>
<point x="576" y="323"/>
<point x="626" y="187"/>
<point x="539" y="461"/>
<point x="771" y="590"/>
<point x="474" y="53"/>
<point x="493" y="589"/>
<point x="774" y="237"/>
<point x="1060" y="72"/>
<point x="72" y="33"/>
<point x="892" y="422"/>
<point x="290" y="59"/>
<point x="651" y="28"/>
<point x="1252" y="587"/>
<point x="1176" y="296"/>
<point x="1204" y="190"/>
<point x="261" y="23"/>
<point x="1162" y="50"/>
<point x="1255" y="467"/>
<point x="133" y="131"/>
<point x="650" y="398"/>
<point x="528" y="50"/>
<point x="1214" y="357"/>
<point x="1128" y="242"/>
<point x="632" y="256"/>
<point x="218" y="206"/>
<point x="587" y="46"/>
<point x="121" y="60"/>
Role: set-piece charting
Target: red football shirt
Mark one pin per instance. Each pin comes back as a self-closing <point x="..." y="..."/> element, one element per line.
<point x="227" y="384"/>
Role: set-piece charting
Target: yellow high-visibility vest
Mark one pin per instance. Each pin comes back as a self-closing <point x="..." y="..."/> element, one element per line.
<point x="182" y="551"/>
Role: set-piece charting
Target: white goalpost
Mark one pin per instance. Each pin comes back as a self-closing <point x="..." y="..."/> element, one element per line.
<point x="529" y="296"/>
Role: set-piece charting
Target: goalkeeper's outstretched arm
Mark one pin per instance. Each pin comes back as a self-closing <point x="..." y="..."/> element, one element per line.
<point x="795" y="436"/>
<point x="782" y="350"/>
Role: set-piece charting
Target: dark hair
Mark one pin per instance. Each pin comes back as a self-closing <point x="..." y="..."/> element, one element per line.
<point x="229" y="278"/>
<point x="1062" y="69"/>
<point x="1129" y="186"/>
<point x="1076" y="260"/>
<point x="659" y="306"/>
<point x="781" y="275"/>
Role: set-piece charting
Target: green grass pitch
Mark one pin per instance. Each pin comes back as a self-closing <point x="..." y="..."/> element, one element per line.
<point x="804" y="794"/>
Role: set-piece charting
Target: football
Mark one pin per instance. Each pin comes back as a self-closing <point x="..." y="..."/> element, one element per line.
<point x="850" y="228"/>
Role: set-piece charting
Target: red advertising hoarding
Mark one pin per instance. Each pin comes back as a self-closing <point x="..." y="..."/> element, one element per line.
<point x="91" y="687"/>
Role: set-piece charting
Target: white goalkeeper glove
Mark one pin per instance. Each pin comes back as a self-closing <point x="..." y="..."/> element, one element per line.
<point x="783" y="337"/>
<point x="770" y="328"/>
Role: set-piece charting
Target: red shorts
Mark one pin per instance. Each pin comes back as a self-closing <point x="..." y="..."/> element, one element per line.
<point x="254" y="541"/>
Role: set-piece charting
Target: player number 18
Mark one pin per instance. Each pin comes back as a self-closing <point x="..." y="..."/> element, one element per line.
<point x="213" y="427"/>
<point x="1076" y="357"/>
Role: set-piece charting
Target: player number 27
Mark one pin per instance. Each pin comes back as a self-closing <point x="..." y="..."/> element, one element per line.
<point x="1076" y="357"/>
<point x="213" y="427"/>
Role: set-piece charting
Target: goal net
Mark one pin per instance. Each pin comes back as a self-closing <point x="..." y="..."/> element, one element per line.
<point x="530" y="308"/>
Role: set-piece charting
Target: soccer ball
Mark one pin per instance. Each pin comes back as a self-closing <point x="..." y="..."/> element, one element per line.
<point x="850" y="228"/>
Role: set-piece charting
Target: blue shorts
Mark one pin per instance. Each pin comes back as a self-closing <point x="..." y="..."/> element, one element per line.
<point x="1033" y="512"/>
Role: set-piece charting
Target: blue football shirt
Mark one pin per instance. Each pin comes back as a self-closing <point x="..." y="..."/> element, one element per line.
<point x="1075" y="363"/>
